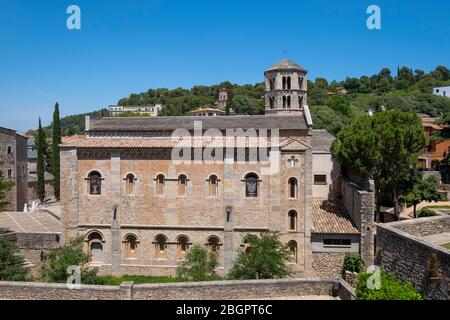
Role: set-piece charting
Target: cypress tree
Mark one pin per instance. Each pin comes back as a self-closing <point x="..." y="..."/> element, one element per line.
<point x="40" y="145"/>
<point x="56" y="141"/>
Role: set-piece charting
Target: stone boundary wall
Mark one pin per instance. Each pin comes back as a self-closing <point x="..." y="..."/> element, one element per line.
<point x="408" y="257"/>
<point x="216" y="290"/>
<point x="359" y="200"/>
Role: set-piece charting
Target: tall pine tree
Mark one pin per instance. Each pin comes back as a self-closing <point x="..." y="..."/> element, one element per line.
<point x="40" y="145"/>
<point x="56" y="141"/>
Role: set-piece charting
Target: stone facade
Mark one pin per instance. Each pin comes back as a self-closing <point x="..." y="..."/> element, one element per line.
<point x="13" y="164"/>
<point x="404" y="249"/>
<point x="328" y="264"/>
<point x="223" y="290"/>
<point x="359" y="199"/>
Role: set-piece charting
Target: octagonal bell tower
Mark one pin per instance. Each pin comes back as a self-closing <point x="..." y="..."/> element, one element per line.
<point x="286" y="89"/>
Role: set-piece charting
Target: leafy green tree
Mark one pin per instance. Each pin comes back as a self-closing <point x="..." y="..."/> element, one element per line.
<point x="389" y="289"/>
<point x="57" y="261"/>
<point x="41" y="146"/>
<point x="12" y="265"/>
<point x="55" y="157"/>
<point x="424" y="190"/>
<point x="5" y="186"/>
<point x="266" y="258"/>
<point x="353" y="262"/>
<point x="198" y="266"/>
<point x="386" y="147"/>
<point x="339" y="104"/>
<point x="325" y="118"/>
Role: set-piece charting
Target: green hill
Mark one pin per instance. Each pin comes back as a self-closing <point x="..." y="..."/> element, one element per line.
<point x="330" y="109"/>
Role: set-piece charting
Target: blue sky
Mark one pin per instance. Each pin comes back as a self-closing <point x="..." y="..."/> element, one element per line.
<point x="131" y="46"/>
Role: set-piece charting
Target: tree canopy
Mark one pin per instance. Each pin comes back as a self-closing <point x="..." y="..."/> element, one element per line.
<point x="386" y="147"/>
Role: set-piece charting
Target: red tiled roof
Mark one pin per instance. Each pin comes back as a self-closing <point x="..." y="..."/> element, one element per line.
<point x="161" y="142"/>
<point x="331" y="217"/>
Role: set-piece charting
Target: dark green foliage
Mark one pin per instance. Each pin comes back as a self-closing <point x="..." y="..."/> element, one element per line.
<point x="5" y="186"/>
<point x="55" y="157"/>
<point x="198" y="266"/>
<point x="41" y="146"/>
<point x="390" y="288"/>
<point x="339" y="104"/>
<point x="423" y="190"/>
<point x="385" y="146"/>
<point x="12" y="266"/>
<point x="57" y="261"/>
<point x="425" y="212"/>
<point x="353" y="262"/>
<point x="266" y="259"/>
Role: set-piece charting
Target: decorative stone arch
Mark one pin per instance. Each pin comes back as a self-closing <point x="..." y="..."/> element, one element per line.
<point x="130" y="179"/>
<point x="160" y="241"/>
<point x="292" y="220"/>
<point x="212" y="186"/>
<point x="183" y="244"/>
<point x="182" y="180"/>
<point x="130" y="242"/>
<point x="293" y="248"/>
<point x="95" y="240"/>
<point x="160" y="183"/>
<point x="213" y="244"/>
<point x="292" y="187"/>
<point x="93" y="187"/>
<point x="252" y="182"/>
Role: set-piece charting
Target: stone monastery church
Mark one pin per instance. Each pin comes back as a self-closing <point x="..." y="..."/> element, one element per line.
<point x="142" y="191"/>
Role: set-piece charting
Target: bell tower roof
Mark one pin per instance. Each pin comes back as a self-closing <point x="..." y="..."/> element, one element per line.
<point x="286" y="65"/>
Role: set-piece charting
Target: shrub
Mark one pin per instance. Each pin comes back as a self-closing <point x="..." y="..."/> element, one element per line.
<point x="57" y="261"/>
<point x="198" y="266"/>
<point x="425" y="212"/>
<point x="390" y="288"/>
<point x="266" y="259"/>
<point x="12" y="266"/>
<point x="353" y="262"/>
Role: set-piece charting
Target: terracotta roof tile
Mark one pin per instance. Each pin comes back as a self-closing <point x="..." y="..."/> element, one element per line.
<point x="331" y="217"/>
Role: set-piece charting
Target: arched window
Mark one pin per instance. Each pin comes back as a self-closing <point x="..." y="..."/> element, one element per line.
<point x="300" y="101"/>
<point x="271" y="103"/>
<point x="246" y="243"/>
<point x="160" y="246"/>
<point x="213" y="184"/>
<point x="182" y="247"/>
<point x="284" y="82"/>
<point x="160" y="181"/>
<point x="95" y="183"/>
<point x="300" y="82"/>
<point x="213" y="245"/>
<point x="288" y="83"/>
<point x="251" y="185"/>
<point x="284" y="101"/>
<point x="288" y="103"/>
<point x="182" y="181"/>
<point x="293" y="188"/>
<point x="130" y="247"/>
<point x="293" y="250"/>
<point x="130" y="184"/>
<point x="292" y="220"/>
<point x="95" y="245"/>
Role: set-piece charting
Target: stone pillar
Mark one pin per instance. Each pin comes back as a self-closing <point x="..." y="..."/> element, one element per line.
<point x="275" y="190"/>
<point x="308" y="211"/>
<point x="116" y="240"/>
<point x="228" y="198"/>
<point x="367" y="206"/>
<point x="69" y="194"/>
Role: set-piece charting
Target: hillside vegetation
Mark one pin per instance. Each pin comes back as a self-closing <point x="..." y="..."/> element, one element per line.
<point x="408" y="90"/>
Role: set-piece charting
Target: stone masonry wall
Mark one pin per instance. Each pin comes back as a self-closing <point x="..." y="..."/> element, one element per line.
<point x="360" y="203"/>
<point x="220" y="290"/>
<point x="328" y="264"/>
<point x="408" y="257"/>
